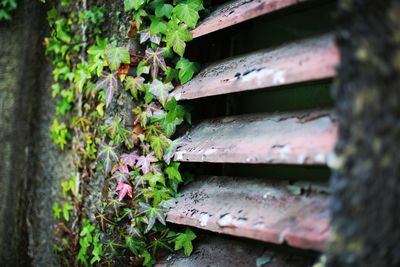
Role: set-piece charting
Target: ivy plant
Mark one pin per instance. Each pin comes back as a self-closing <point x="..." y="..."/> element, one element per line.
<point x="89" y="71"/>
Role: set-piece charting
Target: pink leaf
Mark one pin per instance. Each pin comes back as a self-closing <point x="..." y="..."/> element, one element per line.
<point x="129" y="159"/>
<point x="124" y="189"/>
<point x="122" y="169"/>
<point x="144" y="162"/>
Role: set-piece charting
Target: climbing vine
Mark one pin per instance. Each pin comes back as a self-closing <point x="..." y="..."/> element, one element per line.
<point x="129" y="152"/>
<point x="6" y="7"/>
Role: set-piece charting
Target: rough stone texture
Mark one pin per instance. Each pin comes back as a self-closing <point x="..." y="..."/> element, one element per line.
<point x="31" y="167"/>
<point x="20" y="50"/>
<point x="366" y="184"/>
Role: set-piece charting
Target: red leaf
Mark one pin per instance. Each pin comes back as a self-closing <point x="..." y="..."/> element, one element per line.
<point x="124" y="189"/>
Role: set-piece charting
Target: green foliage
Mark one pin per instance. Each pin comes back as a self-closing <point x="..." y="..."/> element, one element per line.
<point x="184" y="240"/>
<point x="6" y="6"/>
<point x="91" y="247"/>
<point x="134" y="151"/>
<point x="116" y="56"/>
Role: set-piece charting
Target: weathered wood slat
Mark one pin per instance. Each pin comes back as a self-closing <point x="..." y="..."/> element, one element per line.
<point x="238" y="11"/>
<point x="306" y="137"/>
<point x="254" y="208"/>
<point x="225" y="251"/>
<point x="307" y="60"/>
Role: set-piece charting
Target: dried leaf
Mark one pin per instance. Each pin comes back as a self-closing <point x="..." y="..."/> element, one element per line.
<point x="133" y="29"/>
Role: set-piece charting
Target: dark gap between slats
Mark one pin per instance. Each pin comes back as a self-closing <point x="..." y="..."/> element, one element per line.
<point x="297" y="22"/>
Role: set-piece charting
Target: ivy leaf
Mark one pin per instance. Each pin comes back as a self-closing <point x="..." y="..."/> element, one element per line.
<point x="170" y="150"/>
<point x="116" y="56"/>
<point x="185" y="240"/>
<point x="186" y="70"/>
<point x="161" y="90"/>
<point x="134" y="85"/>
<point x="163" y="10"/>
<point x="153" y="179"/>
<point x="124" y="189"/>
<point x="107" y="155"/>
<point x="129" y="159"/>
<point x="145" y="35"/>
<point x="121" y="169"/>
<point x="173" y="173"/>
<point x="56" y="211"/>
<point x="156" y="60"/>
<point x="158" y="143"/>
<point x="133" y="4"/>
<point x="157" y="194"/>
<point x="176" y="38"/>
<point x="187" y="13"/>
<point x="108" y="82"/>
<point x="152" y="214"/>
<point x="66" y="208"/>
<point x="157" y="26"/>
<point x="144" y="162"/>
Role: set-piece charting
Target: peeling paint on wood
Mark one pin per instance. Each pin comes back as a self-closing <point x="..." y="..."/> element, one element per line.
<point x="306" y="137"/>
<point x="307" y="60"/>
<point x="238" y="11"/>
<point x="254" y="208"/>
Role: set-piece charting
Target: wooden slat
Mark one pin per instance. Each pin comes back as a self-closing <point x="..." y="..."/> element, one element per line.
<point x="307" y="60"/>
<point x="254" y="208"/>
<point x="238" y="11"/>
<point x="306" y="137"/>
<point x="224" y="251"/>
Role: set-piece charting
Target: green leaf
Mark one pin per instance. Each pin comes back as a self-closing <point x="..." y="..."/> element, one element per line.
<point x="184" y="240"/>
<point x="66" y="208"/>
<point x="173" y="172"/>
<point x="133" y="4"/>
<point x="157" y="26"/>
<point x="116" y="56"/>
<point x="161" y="90"/>
<point x="186" y="70"/>
<point x="153" y="179"/>
<point x="163" y="10"/>
<point x="108" y="82"/>
<point x="152" y="214"/>
<point x="176" y="38"/>
<point x="158" y="144"/>
<point x="169" y="152"/>
<point x="56" y="211"/>
<point x="142" y="68"/>
<point x="134" y="85"/>
<point x="108" y="156"/>
<point x="188" y="12"/>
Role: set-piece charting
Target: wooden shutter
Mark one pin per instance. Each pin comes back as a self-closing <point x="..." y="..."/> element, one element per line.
<point x="275" y="210"/>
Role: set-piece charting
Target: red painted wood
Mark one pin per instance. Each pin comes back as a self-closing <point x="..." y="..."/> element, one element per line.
<point x="306" y="137"/>
<point x="256" y="209"/>
<point x="307" y="60"/>
<point x="238" y="11"/>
